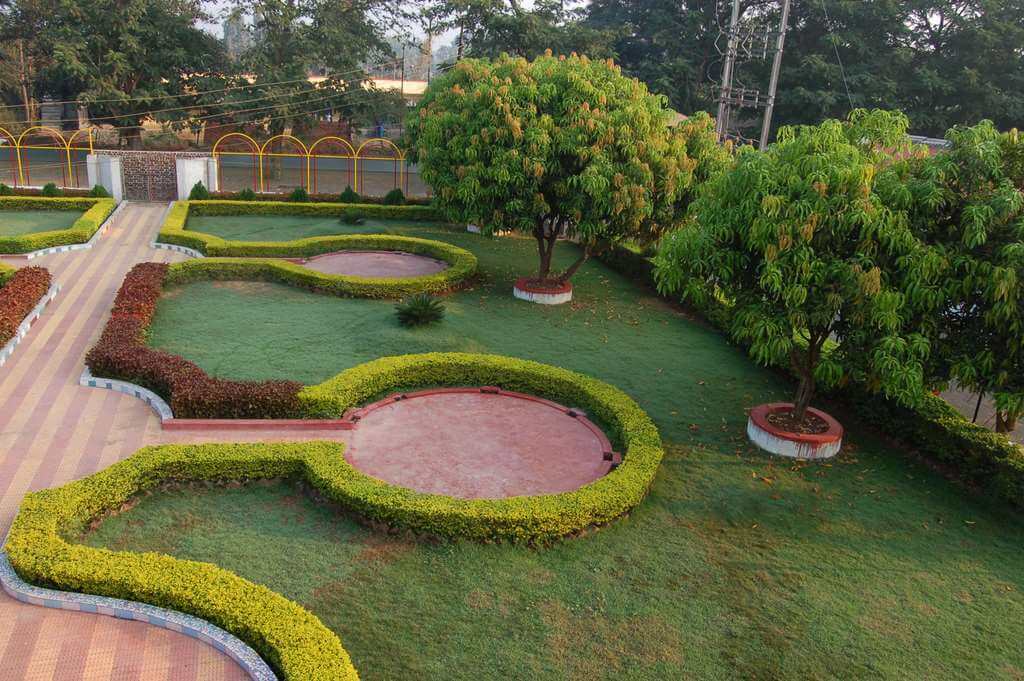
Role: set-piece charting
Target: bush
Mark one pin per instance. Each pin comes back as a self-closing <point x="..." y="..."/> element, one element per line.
<point x="299" y="195"/>
<point x="5" y="190"/>
<point x="50" y="190"/>
<point x="199" y="192"/>
<point x="419" y="310"/>
<point x="353" y="216"/>
<point x="247" y="195"/>
<point x="98" y="191"/>
<point x="395" y="197"/>
<point x="291" y="639"/>
<point x="349" y="196"/>
<point x="21" y="291"/>
<point x="96" y="212"/>
<point x="121" y="353"/>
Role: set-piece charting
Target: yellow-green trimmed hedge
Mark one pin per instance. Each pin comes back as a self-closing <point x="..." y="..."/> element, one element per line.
<point x="531" y="519"/>
<point x="462" y="265"/>
<point x="288" y="637"/>
<point x="373" y="210"/>
<point x="6" y="272"/>
<point x="291" y="639"/>
<point x="96" y="211"/>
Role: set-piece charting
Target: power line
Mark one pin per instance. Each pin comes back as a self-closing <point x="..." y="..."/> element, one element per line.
<point x="189" y="94"/>
<point x="144" y="114"/>
<point x="835" y="46"/>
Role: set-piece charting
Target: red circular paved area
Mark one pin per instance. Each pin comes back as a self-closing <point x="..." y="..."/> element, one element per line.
<point x="383" y="264"/>
<point x="475" y="445"/>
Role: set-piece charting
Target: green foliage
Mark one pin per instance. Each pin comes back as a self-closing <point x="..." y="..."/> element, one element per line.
<point x="348" y="196"/>
<point x="5" y="190"/>
<point x="462" y="263"/>
<point x="800" y="244"/>
<point x="353" y="216"/>
<point x="247" y="195"/>
<point x="96" y="212"/>
<point x="968" y="205"/>
<point x="395" y="197"/>
<point x="299" y="195"/>
<point x="199" y="192"/>
<point x="50" y="191"/>
<point x="99" y="192"/>
<point x="292" y="640"/>
<point x="420" y="310"/>
<point x="552" y="145"/>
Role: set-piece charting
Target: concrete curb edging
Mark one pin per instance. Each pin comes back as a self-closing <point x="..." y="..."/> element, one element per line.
<point x="523" y="290"/>
<point x="162" y="409"/>
<point x="192" y="253"/>
<point x="803" y="446"/>
<point x="191" y="626"/>
<point x="73" y="247"/>
<point x="26" y="323"/>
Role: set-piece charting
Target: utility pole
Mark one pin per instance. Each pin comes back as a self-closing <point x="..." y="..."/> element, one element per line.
<point x="724" y="95"/>
<point x="23" y="78"/>
<point x="780" y="42"/>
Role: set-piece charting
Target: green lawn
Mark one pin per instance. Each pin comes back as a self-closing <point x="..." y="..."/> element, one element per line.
<point x="18" y="222"/>
<point x="735" y="566"/>
<point x="286" y="227"/>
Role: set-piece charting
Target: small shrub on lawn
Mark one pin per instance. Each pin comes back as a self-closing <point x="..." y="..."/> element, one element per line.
<point x="353" y="216"/>
<point x="349" y="196"/>
<point x="50" y="190"/>
<point x="299" y="195"/>
<point x="98" y="191"/>
<point x="199" y="192"/>
<point x="5" y="190"/>
<point x="395" y="197"/>
<point x="420" y="310"/>
<point x="247" y="195"/>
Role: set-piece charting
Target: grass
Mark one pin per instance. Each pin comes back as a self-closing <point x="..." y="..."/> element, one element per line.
<point x="736" y="566"/>
<point x="18" y="222"/>
<point x="285" y="227"/>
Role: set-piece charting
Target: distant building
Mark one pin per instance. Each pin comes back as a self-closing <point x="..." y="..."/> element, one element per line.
<point x="238" y="34"/>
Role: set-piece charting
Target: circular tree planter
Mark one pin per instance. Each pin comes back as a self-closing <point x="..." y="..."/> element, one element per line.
<point x="555" y="294"/>
<point x="807" y="446"/>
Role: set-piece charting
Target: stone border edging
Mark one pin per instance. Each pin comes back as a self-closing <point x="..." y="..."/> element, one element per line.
<point x="172" y="620"/>
<point x="192" y="253"/>
<point x="72" y="247"/>
<point x="7" y="350"/>
<point x="162" y="409"/>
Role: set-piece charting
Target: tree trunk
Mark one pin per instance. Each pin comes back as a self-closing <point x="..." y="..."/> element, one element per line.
<point x="566" y="275"/>
<point x="546" y="234"/>
<point x="804" y="393"/>
<point x="134" y="137"/>
<point x="1006" y="421"/>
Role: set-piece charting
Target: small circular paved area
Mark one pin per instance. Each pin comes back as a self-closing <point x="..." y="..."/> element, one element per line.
<point x="381" y="264"/>
<point x="472" y="444"/>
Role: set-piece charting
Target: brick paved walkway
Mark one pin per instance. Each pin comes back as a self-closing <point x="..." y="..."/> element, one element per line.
<point x="53" y="431"/>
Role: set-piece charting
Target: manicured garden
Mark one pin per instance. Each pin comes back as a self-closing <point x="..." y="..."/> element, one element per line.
<point x="18" y="222"/>
<point x="287" y="227"/>
<point x="734" y="565"/>
<point x="31" y="223"/>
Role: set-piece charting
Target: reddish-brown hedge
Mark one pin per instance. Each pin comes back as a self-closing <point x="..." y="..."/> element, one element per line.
<point x="122" y="353"/>
<point x="22" y="292"/>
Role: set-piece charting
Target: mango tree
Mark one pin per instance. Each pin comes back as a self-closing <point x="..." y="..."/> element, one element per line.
<point x="968" y="206"/>
<point x="558" y="146"/>
<point x="813" y="266"/>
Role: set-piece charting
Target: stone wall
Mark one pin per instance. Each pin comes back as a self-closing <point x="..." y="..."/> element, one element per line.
<point x="150" y="175"/>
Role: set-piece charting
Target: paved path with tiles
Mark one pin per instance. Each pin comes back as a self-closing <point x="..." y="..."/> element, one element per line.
<point x="52" y="431"/>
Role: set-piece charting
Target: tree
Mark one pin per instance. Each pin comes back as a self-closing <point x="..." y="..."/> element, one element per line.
<point x="968" y="207"/>
<point x="802" y="248"/>
<point x="553" y="146"/>
<point x="126" y="67"/>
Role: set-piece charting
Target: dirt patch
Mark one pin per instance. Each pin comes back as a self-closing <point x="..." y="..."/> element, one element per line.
<point x="587" y="646"/>
<point x="383" y="549"/>
<point x="810" y="425"/>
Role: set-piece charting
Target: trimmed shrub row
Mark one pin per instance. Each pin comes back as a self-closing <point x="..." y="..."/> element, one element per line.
<point x="96" y="211"/>
<point x="291" y="639"/>
<point x="316" y="198"/>
<point x="462" y="263"/>
<point x="122" y="353"/>
<point x="21" y="291"/>
<point x="935" y="430"/>
<point x="373" y="210"/>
